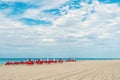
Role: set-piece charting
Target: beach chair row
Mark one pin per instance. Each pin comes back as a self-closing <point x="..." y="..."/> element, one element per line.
<point x="31" y="62"/>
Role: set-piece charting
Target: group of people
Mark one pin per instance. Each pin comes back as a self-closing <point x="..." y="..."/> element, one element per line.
<point x="38" y="61"/>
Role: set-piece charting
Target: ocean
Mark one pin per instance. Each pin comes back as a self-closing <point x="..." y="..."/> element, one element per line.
<point x="4" y="60"/>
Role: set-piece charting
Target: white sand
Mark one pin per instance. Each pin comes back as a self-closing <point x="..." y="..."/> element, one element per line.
<point x="84" y="70"/>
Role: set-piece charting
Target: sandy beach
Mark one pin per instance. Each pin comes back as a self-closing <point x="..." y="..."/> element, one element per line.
<point x="82" y="70"/>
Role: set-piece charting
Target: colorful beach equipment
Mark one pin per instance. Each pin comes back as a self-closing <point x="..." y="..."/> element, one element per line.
<point x="9" y="63"/>
<point x="38" y="61"/>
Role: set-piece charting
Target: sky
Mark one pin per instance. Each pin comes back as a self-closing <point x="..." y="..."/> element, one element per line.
<point x="60" y="28"/>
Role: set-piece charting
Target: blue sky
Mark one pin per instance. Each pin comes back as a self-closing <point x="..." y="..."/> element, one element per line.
<point x="64" y="28"/>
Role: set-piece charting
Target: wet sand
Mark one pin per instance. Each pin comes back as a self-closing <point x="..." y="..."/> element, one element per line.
<point x="82" y="70"/>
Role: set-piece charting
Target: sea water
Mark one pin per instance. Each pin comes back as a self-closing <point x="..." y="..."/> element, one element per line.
<point x="4" y="60"/>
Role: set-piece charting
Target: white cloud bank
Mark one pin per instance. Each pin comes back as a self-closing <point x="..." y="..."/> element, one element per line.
<point x="91" y="25"/>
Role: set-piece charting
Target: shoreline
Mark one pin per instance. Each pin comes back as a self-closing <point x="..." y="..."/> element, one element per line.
<point x="3" y="64"/>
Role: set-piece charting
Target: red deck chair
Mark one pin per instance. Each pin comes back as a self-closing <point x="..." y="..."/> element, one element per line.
<point x="9" y="63"/>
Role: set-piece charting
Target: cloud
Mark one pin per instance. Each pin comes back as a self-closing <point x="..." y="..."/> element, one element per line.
<point x="95" y="24"/>
<point x="48" y="40"/>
